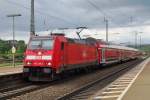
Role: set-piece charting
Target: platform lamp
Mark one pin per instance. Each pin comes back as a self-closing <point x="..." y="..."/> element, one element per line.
<point x="13" y="46"/>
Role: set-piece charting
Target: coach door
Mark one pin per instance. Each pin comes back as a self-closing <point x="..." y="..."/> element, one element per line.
<point x="103" y="55"/>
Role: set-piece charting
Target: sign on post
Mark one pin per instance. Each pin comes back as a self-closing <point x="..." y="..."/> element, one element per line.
<point x="13" y="50"/>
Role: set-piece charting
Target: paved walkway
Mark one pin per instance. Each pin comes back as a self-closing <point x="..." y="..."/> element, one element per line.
<point x="140" y="89"/>
<point x="10" y="70"/>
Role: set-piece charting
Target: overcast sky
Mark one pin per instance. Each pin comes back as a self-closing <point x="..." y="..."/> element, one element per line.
<point x="125" y="17"/>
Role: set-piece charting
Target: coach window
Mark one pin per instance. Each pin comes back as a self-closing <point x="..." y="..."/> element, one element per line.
<point x="62" y="45"/>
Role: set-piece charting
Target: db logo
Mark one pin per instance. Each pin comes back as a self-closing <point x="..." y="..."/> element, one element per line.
<point x="84" y="54"/>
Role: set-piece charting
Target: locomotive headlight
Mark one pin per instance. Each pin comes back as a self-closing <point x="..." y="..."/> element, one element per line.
<point x="25" y="69"/>
<point x="49" y="63"/>
<point x="47" y="57"/>
<point x="47" y="70"/>
<point x="29" y="63"/>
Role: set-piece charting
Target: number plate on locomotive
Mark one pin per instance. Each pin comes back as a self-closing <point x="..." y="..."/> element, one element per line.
<point x="38" y="57"/>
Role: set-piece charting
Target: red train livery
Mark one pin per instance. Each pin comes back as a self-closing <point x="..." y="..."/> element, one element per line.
<point x="48" y="56"/>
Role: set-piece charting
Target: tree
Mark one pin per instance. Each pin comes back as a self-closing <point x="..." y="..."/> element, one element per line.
<point x="21" y="46"/>
<point x="4" y="47"/>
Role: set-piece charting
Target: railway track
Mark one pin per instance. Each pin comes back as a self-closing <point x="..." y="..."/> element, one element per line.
<point x="20" y="87"/>
<point x="10" y="82"/>
<point x="14" y="87"/>
<point x="86" y="91"/>
<point x="8" y="78"/>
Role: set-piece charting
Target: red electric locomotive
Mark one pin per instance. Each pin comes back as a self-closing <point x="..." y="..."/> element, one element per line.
<point x="47" y="56"/>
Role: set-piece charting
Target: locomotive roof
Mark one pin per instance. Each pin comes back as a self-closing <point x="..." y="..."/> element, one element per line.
<point x="82" y="41"/>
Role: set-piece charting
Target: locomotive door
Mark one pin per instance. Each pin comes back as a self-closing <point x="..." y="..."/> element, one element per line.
<point x="103" y="55"/>
<point x="63" y="53"/>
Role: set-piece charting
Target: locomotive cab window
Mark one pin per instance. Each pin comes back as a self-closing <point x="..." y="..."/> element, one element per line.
<point x="46" y="44"/>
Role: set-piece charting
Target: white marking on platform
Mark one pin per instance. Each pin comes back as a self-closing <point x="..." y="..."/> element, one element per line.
<point x="112" y="92"/>
<point x="126" y="78"/>
<point x="122" y="83"/>
<point x="116" y="88"/>
<point x="106" y="97"/>
<point x="118" y="85"/>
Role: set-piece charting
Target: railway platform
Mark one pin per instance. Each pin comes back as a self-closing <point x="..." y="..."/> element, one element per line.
<point x="140" y="89"/>
<point x="10" y="70"/>
<point x="134" y="85"/>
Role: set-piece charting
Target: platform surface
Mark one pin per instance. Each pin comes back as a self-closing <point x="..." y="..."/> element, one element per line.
<point x="140" y="89"/>
<point x="10" y="70"/>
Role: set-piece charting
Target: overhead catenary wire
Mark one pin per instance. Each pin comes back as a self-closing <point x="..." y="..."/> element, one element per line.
<point x="123" y="14"/>
<point x="40" y="12"/>
<point x="105" y="15"/>
<point x="97" y="8"/>
<point x="101" y="12"/>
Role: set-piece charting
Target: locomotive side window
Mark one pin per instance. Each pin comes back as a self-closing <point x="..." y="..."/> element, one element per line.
<point x="62" y="45"/>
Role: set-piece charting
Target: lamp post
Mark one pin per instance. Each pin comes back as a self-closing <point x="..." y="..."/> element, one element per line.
<point x="140" y="39"/>
<point x="13" y="46"/>
<point x="32" y="24"/>
<point x="106" y="21"/>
